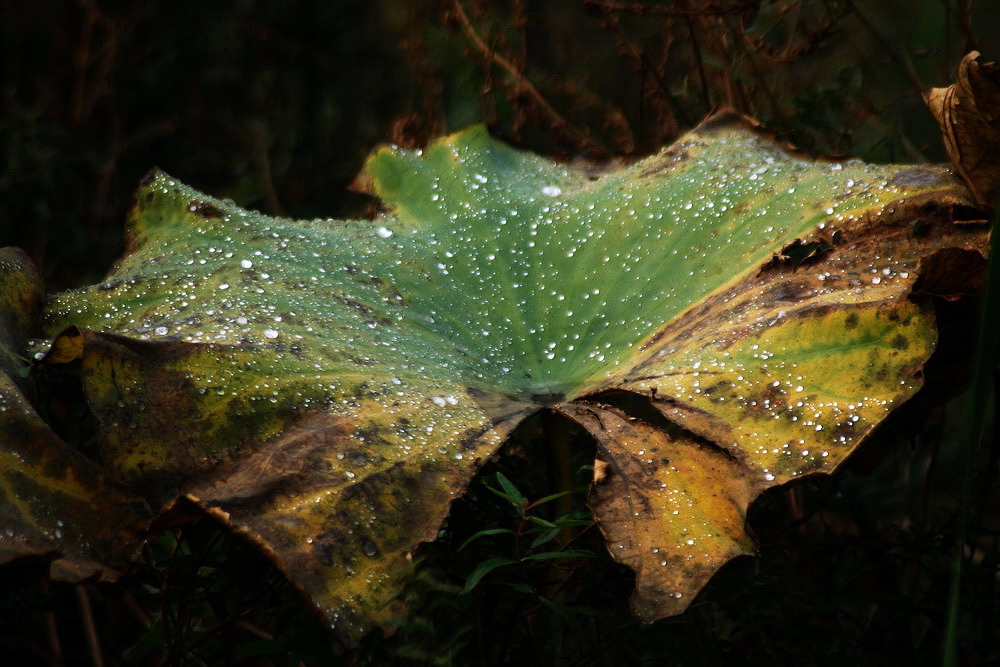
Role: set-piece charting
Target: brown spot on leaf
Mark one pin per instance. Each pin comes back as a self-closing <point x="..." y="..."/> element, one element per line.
<point x="205" y="209"/>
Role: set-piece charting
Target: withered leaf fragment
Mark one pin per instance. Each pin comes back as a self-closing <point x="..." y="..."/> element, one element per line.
<point x="968" y="112"/>
<point x="54" y="503"/>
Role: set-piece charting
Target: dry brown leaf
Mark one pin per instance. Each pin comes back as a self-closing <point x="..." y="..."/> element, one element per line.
<point x="968" y="112"/>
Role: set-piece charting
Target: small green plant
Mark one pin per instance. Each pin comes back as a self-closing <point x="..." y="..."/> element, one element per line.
<point x="530" y="534"/>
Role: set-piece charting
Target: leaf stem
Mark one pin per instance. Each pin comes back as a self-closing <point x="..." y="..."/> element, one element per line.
<point x="978" y="424"/>
<point x="89" y="629"/>
<point x="556" y="434"/>
<point x="51" y="628"/>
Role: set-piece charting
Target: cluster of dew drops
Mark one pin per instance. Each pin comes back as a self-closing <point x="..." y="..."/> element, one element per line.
<point x="524" y="284"/>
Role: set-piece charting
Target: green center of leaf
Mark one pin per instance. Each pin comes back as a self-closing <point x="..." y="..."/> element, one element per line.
<point x="496" y="268"/>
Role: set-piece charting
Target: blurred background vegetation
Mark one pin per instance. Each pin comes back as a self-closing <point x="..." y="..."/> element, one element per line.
<point x="276" y="104"/>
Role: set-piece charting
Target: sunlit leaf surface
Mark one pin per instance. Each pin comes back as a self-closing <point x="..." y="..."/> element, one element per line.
<point x="328" y="386"/>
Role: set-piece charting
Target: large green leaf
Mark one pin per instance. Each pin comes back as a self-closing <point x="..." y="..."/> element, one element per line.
<point x="328" y="387"/>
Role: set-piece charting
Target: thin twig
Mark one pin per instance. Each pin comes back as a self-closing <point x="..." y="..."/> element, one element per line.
<point x="262" y="163"/>
<point x="965" y="25"/>
<point x="165" y="584"/>
<point x="642" y="65"/>
<point x="908" y="146"/>
<point x="704" y="9"/>
<point x="706" y="94"/>
<point x="521" y="58"/>
<point x="522" y="84"/>
<point x="709" y="25"/>
<point x="253" y="629"/>
<point x="211" y="634"/>
<point x="51" y="629"/>
<point x="905" y="64"/>
<point x="89" y="629"/>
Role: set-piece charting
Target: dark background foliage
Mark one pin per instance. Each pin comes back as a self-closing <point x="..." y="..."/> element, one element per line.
<point x="275" y="104"/>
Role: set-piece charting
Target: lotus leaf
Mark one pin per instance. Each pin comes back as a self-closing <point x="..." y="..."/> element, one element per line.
<point x="328" y="387"/>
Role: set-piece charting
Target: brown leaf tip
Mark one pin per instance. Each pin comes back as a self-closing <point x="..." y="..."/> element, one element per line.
<point x="967" y="112"/>
<point x="600" y="471"/>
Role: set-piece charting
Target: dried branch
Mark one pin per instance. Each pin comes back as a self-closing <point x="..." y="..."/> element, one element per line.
<point x="643" y="68"/>
<point x="89" y="628"/>
<point x="703" y="9"/>
<point x="788" y="53"/>
<point x="522" y="85"/>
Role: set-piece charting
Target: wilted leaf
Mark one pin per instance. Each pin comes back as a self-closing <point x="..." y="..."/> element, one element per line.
<point x="672" y="509"/>
<point x="336" y="473"/>
<point x="328" y="387"/>
<point x="968" y="112"/>
<point x="21" y="298"/>
<point x="54" y="503"/>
